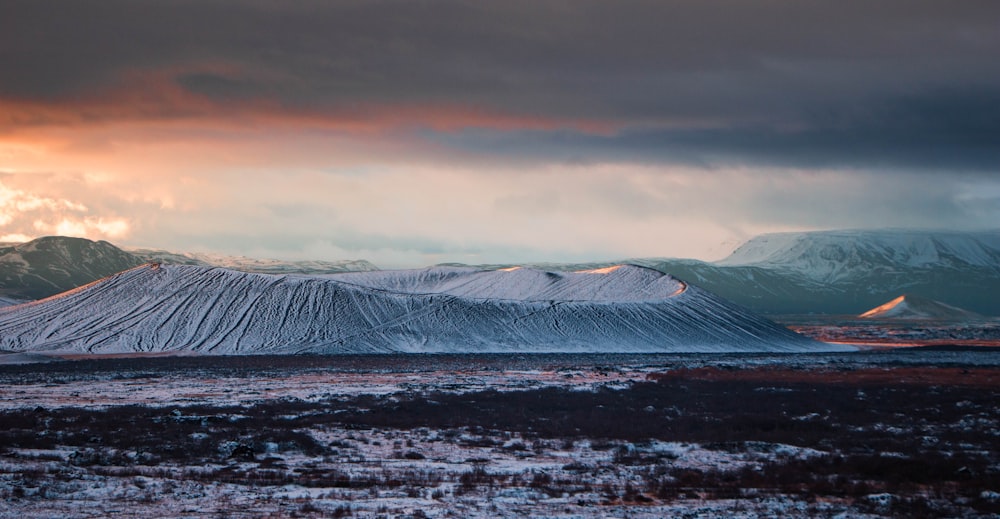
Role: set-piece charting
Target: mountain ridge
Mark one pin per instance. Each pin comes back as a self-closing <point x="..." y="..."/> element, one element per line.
<point x="846" y="271"/>
<point x="53" y="264"/>
<point x="827" y="256"/>
<point x="218" y="311"/>
<point x="50" y="265"/>
<point x="821" y="272"/>
<point x="248" y="264"/>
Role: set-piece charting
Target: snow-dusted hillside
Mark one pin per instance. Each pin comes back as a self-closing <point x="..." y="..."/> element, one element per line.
<point x="830" y="256"/>
<point x="618" y="283"/>
<point x="219" y="311"/>
<point x="910" y="307"/>
<point x="245" y="264"/>
<point x="846" y="272"/>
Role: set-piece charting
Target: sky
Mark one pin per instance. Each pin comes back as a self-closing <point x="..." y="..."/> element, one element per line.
<point x="415" y="132"/>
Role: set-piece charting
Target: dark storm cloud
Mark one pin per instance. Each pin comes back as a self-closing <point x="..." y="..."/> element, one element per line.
<point x="945" y="130"/>
<point x="900" y="83"/>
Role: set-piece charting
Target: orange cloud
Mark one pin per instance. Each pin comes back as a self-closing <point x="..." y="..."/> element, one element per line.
<point x="158" y="97"/>
<point x="27" y="213"/>
<point x="111" y="228"/>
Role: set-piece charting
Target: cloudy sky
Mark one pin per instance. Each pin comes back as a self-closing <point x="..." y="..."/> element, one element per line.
<point x="416" y="132"/>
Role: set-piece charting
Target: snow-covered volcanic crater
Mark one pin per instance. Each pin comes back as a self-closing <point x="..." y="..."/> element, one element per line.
<point x="156" y="308"/>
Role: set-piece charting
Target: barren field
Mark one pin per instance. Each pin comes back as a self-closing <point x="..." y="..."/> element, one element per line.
<point x="906" y="433"/>
<point x="894" y="333"/>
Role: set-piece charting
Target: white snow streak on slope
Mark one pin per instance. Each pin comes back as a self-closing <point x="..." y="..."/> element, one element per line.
<point x="913" y="307"/>
<point x="613" y="284"/>
<point x="212" y="310"/>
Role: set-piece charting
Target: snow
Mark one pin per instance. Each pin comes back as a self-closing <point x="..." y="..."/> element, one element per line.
<point x="914" y="307"/>
<point x="275" y="266"/>
<point x="830" y="255"/>
<point x="438" y="310"/>
<point x="128" y="482"/>
<point x="247" y="264"/>
<point x="990" y="495"/>
<point x="628" y="283"/>
<point x="169" y="490"/>
<point x="175" y="489"/>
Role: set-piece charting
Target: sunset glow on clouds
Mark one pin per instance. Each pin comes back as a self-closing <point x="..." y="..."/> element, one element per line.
<point x="410" y="135"/>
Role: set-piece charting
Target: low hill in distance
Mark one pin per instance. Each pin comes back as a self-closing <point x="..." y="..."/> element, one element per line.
<point x="910" y="307"/>
<point x="54" y="264"/>
<point x="245" y="264"/>
<point x="438" y="310"/>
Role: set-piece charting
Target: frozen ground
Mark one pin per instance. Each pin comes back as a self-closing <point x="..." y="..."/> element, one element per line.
<point x="187" y="380"/>
<point x="391" y="473"/>
<point x="890" y="333"/>
<point x="897" y="433"/>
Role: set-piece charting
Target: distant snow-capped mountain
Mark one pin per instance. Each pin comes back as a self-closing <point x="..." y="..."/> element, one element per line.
<point x="438" y="310"/>
<point x="849" y="271"/>
<point x="845" y="272"/>
<point x="832" y="256"/>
